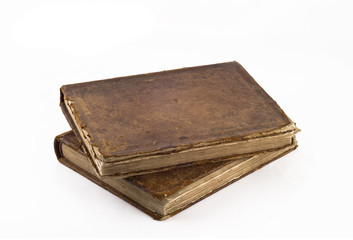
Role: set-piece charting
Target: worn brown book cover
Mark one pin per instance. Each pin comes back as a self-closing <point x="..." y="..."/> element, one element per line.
<point x="137" y="124"/>
<point x="167" y="193"/>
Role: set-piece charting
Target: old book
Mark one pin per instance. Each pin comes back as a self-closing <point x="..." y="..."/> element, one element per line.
<point x="151" y="122"/>
<point x="165" y="194"/>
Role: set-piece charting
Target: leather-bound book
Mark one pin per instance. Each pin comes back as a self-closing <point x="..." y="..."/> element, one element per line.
<point x="152" y="122"/>
<point x="164" y="194"/>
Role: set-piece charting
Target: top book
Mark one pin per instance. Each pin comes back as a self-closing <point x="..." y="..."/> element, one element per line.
<point x="150" y="122"/>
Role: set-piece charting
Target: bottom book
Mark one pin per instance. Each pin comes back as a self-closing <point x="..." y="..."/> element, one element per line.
<point x="164" y="194"/>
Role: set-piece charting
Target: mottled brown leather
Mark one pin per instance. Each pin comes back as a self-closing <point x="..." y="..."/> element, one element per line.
<point x="147" y="182"/>
<point x="178" y="108"/>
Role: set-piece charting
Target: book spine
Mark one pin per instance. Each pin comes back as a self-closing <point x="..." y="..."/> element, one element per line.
<point x="57" y="147"/>
<point x="76" y="132"/>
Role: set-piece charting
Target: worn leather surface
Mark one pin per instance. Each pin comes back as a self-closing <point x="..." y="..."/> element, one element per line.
<point x="178" y="108"/>
<point x="147" y="182"/>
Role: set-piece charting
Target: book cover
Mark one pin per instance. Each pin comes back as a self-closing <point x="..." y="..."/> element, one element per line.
<point x="136" y="124"/>
<point x="164" y="194"/>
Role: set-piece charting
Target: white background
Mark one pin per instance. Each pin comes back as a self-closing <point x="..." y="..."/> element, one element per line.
<point x="300" y="52"/>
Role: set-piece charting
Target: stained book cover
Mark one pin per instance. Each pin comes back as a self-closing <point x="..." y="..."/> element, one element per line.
<point x="132" y="125"/>
<point x="167" y="193"/>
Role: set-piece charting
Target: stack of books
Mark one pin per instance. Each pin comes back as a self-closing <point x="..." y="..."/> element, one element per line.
<point x="166" y="140"/>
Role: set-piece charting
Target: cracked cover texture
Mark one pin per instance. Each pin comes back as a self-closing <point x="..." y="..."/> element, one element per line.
<point x="171" y="109"/>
